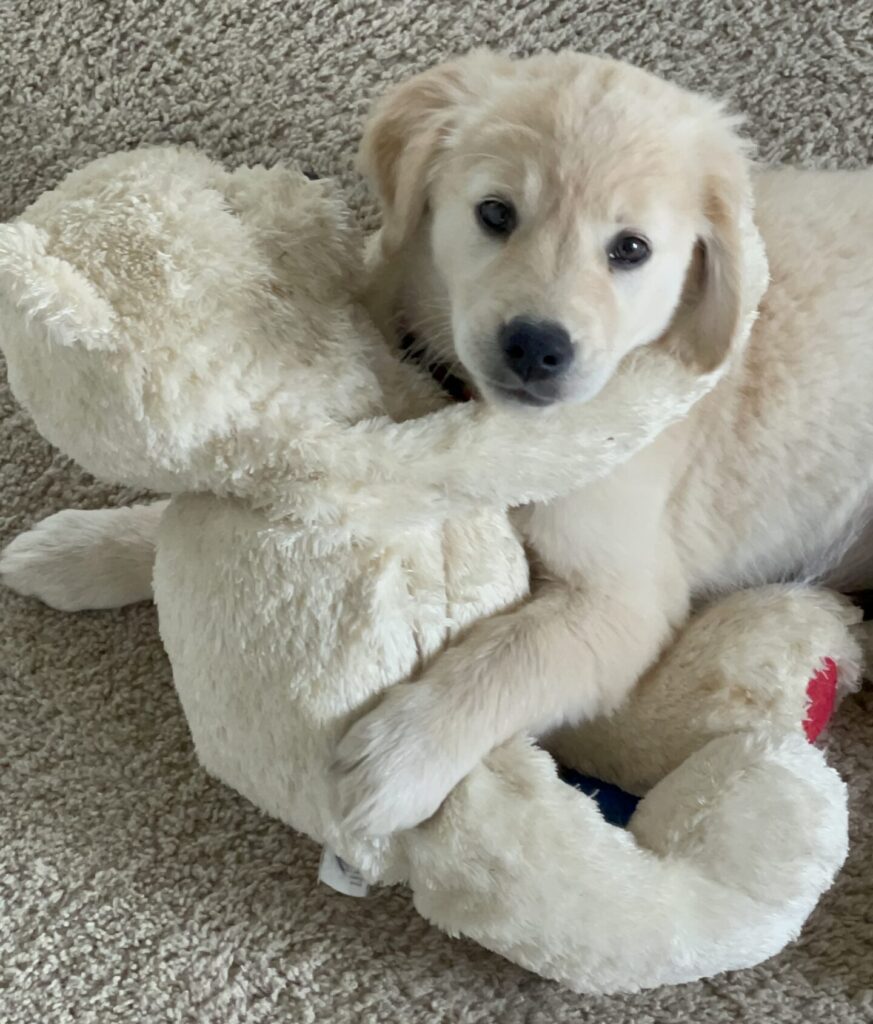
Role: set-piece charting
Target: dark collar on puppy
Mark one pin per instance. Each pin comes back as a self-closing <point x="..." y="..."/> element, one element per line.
<point x="415" y="351"/>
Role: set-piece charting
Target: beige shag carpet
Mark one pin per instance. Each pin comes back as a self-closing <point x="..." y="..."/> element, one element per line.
<point x="133" y="888"/>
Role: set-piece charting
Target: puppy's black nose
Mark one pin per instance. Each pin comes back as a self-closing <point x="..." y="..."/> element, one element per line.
<point x="535" y="349"/>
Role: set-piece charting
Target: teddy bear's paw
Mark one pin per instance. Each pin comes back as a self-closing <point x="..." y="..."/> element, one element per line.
<point x="85" y="559"/>
<point x="396" y="765"/>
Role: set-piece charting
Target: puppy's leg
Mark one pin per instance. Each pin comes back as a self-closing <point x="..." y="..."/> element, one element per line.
<point x="568" y="654"/>
<point x="86" y="559"/>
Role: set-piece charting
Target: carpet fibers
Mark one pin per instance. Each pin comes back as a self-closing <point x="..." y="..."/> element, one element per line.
<point x="133" y="888"/>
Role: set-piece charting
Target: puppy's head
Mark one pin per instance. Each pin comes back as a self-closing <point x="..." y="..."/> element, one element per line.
<point x="572" y="208"/>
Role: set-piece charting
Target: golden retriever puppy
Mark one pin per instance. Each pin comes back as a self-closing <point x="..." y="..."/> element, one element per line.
<point x="541" y="218"/>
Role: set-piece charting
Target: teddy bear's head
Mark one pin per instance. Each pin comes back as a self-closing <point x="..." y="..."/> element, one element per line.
<point x="175" y="312"/>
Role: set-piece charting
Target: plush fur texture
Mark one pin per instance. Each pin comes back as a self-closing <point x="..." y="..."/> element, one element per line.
<point x="76" y="560"/>
<point x="340" y="550"/>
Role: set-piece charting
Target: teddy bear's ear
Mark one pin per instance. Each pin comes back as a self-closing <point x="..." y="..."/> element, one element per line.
<point x="50" y="292"/>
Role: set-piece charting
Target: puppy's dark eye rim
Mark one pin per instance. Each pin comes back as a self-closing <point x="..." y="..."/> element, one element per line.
<point x="497" y="216"/>
<point x="629" y="249"/>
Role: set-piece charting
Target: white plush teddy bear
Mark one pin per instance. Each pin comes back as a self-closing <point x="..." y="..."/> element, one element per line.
<point x="175" y="326"/>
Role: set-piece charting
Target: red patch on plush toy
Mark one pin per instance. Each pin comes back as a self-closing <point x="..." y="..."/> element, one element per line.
<point x="822" y="694"/>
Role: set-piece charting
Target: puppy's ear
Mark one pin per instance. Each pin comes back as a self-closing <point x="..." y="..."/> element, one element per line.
<point x="405" y="134"/>
<point x="725" y="280"/>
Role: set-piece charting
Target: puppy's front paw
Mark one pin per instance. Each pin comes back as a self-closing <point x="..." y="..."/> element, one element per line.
<point x="395" y="766"/>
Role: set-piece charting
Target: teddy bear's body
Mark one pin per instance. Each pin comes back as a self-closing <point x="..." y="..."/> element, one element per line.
<point x="360" y="616"/>
<point x="174" y="326"/>
<point x="212" y="347"/>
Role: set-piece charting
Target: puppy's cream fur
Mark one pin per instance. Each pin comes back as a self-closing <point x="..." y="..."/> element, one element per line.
<point x="768" y="477"/>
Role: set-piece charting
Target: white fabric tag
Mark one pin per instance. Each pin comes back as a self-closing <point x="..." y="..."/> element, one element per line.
<point x="334" y="871"/>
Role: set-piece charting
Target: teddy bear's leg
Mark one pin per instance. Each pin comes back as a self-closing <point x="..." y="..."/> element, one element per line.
<point x="78" y="559"/>
<point x="724" y="861"/>
<point x="863" y="633"/>
<point x="766" y="659"/>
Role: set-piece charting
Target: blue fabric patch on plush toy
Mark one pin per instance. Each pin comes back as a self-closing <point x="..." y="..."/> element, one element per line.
<point x="616" y="806"/>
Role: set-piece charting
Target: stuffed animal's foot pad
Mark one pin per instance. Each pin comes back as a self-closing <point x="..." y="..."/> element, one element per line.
<point x="392" y="769"/>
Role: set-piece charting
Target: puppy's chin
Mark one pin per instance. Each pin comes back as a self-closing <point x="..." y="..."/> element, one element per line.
<point x="514" y="395"/>
<point x="509" y="396"/>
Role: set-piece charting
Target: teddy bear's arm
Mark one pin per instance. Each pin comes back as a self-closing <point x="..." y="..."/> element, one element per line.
<point x="474" y="453"/>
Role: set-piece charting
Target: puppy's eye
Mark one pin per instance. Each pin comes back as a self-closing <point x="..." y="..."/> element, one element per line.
<point x="628" y="250"/>
<point x="496" y="216"/>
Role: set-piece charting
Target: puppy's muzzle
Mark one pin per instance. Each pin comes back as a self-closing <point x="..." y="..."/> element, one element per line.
<point x="537" y="353"/>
